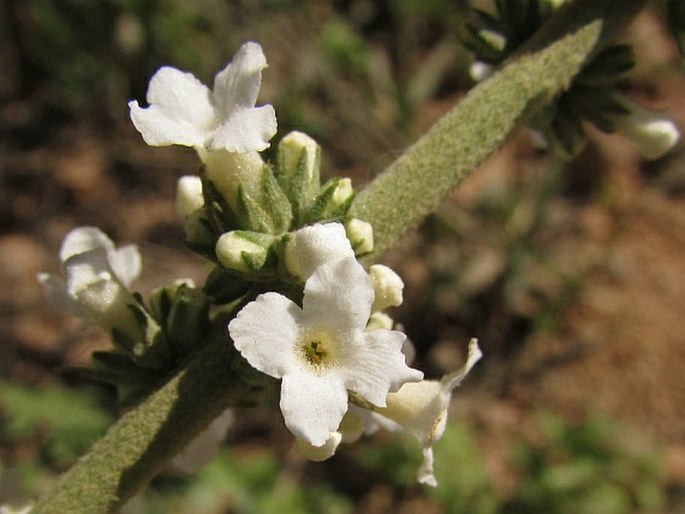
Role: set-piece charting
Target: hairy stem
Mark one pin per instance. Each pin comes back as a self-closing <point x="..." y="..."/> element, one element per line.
<point x="414" y="185"/>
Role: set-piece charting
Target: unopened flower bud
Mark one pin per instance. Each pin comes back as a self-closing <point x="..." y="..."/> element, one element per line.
<point x="388" y="287"/>
<point x="310" y="247"/>
<point x="380" y="320"/>
<point x="189" y="195"/>
<point x="298" y="154"/>
<point x="343" y="192"/>
<point x="244" y="251"/>
<point x="360" y="234"/>
<point x="652" y="132"/>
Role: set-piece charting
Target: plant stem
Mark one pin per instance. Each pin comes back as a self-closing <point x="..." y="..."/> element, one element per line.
<point x="414" y="185"/>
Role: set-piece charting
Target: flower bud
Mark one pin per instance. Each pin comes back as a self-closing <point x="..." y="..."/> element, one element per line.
<point x="297" y="171"/>
<point x="189" y="195"/>
<point x="343" y="192"/>
<point x="298" y="154"/>
<point x="333" y="202"/>
<point x="388" y="287"/>
<point x="244" y="251"/>
<point x="360" y="234"/>
<point x="310" y="247"/>
<point x="380" y="320"/>
<point x="652" y="132"/>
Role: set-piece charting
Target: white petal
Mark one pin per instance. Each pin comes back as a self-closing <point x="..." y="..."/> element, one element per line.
<point x="180" y="110"/>
<point x="373" y="365"/>
<point x="95" y="287"/>
<point x="245" y="130"/>
<point x="313" y="405"/>
<point x="315" y="245"/>
<point x="266" y="331"/>
<point x="425" y="473"/>
<point x="56" y="293"/>
<point x="126" y="263"/>
<point x="237" y="85"/>
<point x="84" y="239"/>
<point x="338" y="296"/>
<point x="319" y="453"/>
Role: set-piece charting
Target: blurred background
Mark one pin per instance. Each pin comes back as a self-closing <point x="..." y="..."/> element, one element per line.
<point x="572" y="275"/>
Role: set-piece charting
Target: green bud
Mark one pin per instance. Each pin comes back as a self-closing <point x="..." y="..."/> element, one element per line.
<point x="244" y="251"/>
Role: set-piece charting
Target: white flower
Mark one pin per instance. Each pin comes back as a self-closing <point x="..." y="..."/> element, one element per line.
<point x="421" y="409"/>
<point x="205" y="446"/>
<point x="312" y="246"/>
<point x="321" y="351"/>
<point x="653" y="133"/>
<point x="97" y="277"/>
<point x="185" y="112"/>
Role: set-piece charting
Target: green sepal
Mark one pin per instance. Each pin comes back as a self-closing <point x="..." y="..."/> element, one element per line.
<point x="151" y="349"/>
<point x="133" y="383"/>
<point x="220" y="216"/>
<point x="251" y="215"/>
<point x="205" y="245"/>
<point x="325" y="208"/>
<point x="188" y="321"/>
<point x="224" y="286"/>
<point x="277" y="206"/>
<point x="608" y="68"/>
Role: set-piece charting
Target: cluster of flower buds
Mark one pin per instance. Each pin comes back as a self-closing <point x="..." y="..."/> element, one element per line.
<point x="593" y="97"/>
<point x="300" y="307"/>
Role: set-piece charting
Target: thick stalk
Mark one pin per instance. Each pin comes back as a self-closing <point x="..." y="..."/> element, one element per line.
<point x="142" y="442"/>
<point x="413" y="186"/>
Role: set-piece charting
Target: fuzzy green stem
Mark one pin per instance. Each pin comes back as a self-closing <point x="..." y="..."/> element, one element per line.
<point x="414" y="185"/>
<point x="143" y="441"/>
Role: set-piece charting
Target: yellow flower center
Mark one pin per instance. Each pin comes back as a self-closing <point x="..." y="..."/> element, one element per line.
<point x="318" y="349"/>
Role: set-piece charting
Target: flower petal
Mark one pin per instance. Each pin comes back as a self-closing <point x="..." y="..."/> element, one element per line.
<point x="265" y="332"/>
<point x="245" y="130"/>
<point x="374" y="365"/>
<point x="237" y="85"/>
<point x="83" y="239"/>
<point x="126" y="263"/>
<point x="56" y="293"/>
<point x="313" y="405"/>
<point x="180" y="111"/>
<point x="315" y="245"/>
<point x="338" y="296"/>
